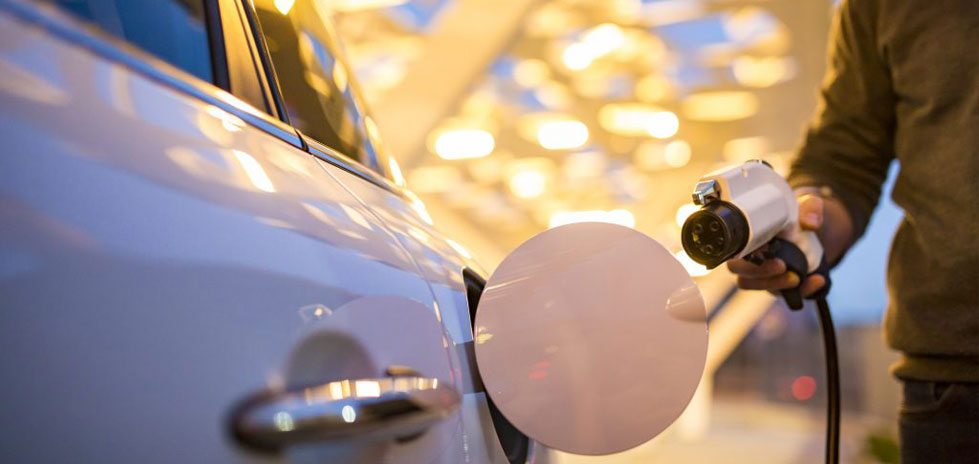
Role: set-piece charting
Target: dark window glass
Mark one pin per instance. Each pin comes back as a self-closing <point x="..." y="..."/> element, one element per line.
<point x="319" y="95"/>
<point x="173" y="30"/>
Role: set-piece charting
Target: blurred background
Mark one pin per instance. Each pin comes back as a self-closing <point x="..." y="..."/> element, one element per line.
<point x="507" y="117"/>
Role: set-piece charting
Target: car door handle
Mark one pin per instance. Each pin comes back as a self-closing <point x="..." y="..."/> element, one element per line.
<point x="347" y="410"/>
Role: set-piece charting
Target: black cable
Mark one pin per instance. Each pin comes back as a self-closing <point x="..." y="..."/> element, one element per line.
<point x="832" y="383"/>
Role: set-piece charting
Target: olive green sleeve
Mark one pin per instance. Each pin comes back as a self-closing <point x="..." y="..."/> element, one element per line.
<point x="849" y="144"/>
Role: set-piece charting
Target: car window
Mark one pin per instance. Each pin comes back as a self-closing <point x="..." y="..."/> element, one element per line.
<point x="319" y="96"/>
<point x="173" y="30"/>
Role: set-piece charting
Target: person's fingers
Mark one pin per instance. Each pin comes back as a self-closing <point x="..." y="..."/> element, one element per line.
<point x="811" y="212"/>
<point x="780" y="282"/>
<point x="812" y="284"/>
<point x="768" y="268"/>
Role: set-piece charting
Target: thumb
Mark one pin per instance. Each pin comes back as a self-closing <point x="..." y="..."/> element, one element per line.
<point x="811" y="212"/>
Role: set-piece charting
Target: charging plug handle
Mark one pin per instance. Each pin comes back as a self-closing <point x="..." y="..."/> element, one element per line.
<point x="795" y="261"/>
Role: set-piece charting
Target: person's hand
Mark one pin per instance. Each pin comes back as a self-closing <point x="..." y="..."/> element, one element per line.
<point x="832" y="224"/>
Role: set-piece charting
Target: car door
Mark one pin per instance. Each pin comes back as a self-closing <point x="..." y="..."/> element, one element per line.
<point x="319" y="93"/>
<point x="170" y="256"/>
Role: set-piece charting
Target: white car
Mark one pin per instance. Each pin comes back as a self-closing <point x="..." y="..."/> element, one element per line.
<point x="182" y="227"/>
<point x="206" y="256"/>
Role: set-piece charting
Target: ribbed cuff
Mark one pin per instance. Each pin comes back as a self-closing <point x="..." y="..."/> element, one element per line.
<point x="937" y="368"/>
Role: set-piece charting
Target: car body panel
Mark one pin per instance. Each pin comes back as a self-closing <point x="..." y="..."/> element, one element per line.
<point x="441" y="262"/>
<point x="173" y="252"/>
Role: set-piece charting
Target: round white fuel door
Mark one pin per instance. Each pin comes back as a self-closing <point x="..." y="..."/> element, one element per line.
<point x="591" y="338"/>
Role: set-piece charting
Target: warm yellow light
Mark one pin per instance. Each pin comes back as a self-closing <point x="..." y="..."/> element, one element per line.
<point x="562" y="135"/>
<point x="596" y="43"/>
<point x="745" y="148"/>
<point x="663" y="125"/>
<point x="576" y="57"/>
<point x="419" y="207"/>
<point x="528" y="183"/>
<point x="653" y="89"/>
<point x="603" y="39"/>
<point x="284" y="5"/>
<point x="622" y="217"/>
<point x="693" y="268"/>
<point x="256" y="175"/>
<point x="677" y="153"/>
<point x="367" y="388"/>
<point x="684" y="211"/>
<point x="464" y="143"/>
<point x="459" y="248"/>
<point x="396" y="174"/>
<point x="720" y="106"/>
<point x="230" y="122"/>
<point x="633" y="118"/>
<point x="761" y="72"/>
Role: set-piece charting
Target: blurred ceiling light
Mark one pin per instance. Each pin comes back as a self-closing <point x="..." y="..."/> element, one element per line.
<point x="684" y="211"/>
<point x="256" y="175"/>
<point x="632" y="118"/>
<point x="654" y="88"/>
<point x="595" y="43"/>
<point x="677" y="153"/>
<point x="603" y="39"/>
<point x="693" y="268"/>
<point x="464" y="143"/>
<point x="531" y="72"/>
<point x="745" y="148"/>
<point x="576" y="57"/>
<point x="435" y="179"/>
<point x="356" y="5"/>
<point x="284" y="5"/>
<point x="528" y="183"/>
<point x="751" y="71"/>
<point x="720" y="106"/>
<point x="663" y="125"/>
<point x="562" y="135"/>
<point x="622" y="217"/>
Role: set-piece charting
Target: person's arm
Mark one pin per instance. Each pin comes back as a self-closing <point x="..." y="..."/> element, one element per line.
<point x="847" y="149"/>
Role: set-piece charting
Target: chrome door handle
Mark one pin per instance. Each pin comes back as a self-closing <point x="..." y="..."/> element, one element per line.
<point x="345" y="410"/>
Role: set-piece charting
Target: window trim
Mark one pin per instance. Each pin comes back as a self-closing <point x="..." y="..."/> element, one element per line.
<point x="245" y="79"/>
<point x="216" y="44"/>
<point x="80" y="34"/>
<point x="264" y="59"/>
<point x="313" y="146"/>
<point x="352" y="166"/>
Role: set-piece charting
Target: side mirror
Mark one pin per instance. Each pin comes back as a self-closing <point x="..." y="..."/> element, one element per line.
<point x="591" y="338"/>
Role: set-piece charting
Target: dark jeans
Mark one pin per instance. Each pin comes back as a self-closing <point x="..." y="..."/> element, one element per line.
<point x="940" y="423"/>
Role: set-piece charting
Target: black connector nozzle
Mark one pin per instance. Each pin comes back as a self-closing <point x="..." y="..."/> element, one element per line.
<point x="714" y="233"/>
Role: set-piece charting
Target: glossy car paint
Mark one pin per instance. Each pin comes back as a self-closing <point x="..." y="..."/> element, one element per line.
<point x="164" y="255"/>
